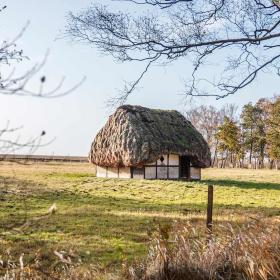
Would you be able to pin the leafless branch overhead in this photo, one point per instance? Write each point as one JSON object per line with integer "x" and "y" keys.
{"x": 242, "y": 35}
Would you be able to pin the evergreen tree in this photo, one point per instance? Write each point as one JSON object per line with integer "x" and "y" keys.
{"x": 254, "y": 130}
{"x": 229, "y": 136}
{"x": 273, "y": 135}
{"x": 248, "y": 128}
{"x": 262, "y": 114}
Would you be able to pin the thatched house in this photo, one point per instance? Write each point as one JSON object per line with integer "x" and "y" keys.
{"x": 138, "y": 142}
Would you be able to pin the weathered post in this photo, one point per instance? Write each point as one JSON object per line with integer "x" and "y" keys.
{"x": 209, "y": 209}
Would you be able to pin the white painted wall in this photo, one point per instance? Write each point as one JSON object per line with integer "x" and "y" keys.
{"x": 195, "y": 173}
{"x": 150, "y": 172}
{"x": 112, "y": 172}
{"x": 124, "y": 173}
{"x": 101, "y": 172}
{"x": 173, "y": 172}
{"x": 162, "y": 172}
{"x": 173, "y": 159}
{"x": 109, "y": 172}
{"x": 159, "y": 162}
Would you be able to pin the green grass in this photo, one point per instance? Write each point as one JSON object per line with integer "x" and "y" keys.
{"x": 108, "y": 221}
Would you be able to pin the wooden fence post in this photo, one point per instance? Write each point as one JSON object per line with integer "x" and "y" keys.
{"x": 209, "y": 209}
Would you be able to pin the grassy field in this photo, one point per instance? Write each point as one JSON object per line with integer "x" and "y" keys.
{"x": 109, "y": 221}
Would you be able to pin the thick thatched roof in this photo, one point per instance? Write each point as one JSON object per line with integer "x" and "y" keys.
{"x": 135, "y": 136}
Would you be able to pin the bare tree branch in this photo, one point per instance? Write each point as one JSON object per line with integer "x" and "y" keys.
{"x": 11, "y": 141}
{"x": 130, "y": 87}
{"x": 243, "y": 34}
{"x": 18, "y": 85}
{"x": 162, "y": 4}
{"x": 13, "y": 84}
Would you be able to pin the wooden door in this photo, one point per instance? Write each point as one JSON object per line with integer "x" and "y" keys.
{"x": 184, "y": 167}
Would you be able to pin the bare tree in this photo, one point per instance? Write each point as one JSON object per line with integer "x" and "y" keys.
{"x": 13, "y": 84}
{"x": 242, "y": 35}
{"x": 207, "y": 119}
{"x": 11, "y": 141}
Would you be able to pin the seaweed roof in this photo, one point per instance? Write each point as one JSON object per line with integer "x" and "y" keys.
{"x": 135, "y": 136}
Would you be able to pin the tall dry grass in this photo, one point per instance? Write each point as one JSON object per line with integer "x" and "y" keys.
{"x": 180, "y": 252}
{"x": 251, "y": 253}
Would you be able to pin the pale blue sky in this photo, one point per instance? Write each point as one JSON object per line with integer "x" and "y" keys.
{"x": 75, "y": 119}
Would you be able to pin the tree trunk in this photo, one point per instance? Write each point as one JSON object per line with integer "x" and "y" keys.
{"x": 250, "y": 157}
{"x": 271, "y": 161}
{"x": 222, "y": 162}
{"x": 225, "y": 160}
{"x": 251, "y": 147}
{"x": 215, "y": 155}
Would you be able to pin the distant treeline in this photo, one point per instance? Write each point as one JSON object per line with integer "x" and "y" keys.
{"x": 249, "y": 140}
{"x": 41, "y": 158}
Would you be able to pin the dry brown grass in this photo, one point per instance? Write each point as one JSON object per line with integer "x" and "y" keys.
{"x": 66, "y": 266}
{"x": 181, "y": 252}
{"x": 248, "y": 253}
